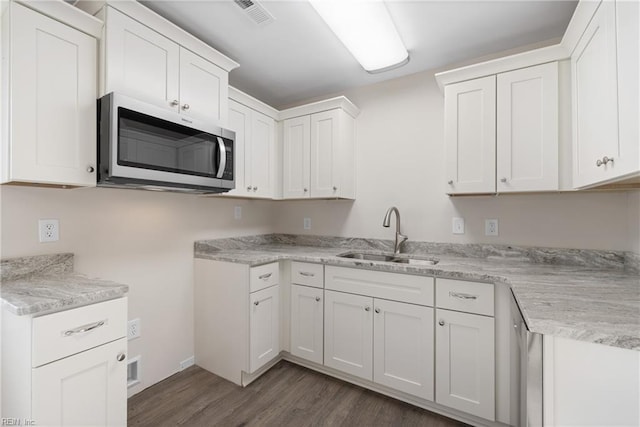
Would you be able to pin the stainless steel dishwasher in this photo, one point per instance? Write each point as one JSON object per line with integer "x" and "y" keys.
{"x": 527, "y": 368}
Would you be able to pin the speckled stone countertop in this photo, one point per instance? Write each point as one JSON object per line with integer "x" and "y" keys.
{"x": 580, "y": 294}
{"x": 46, "y": 283}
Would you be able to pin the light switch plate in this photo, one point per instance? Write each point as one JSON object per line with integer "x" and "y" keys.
{"x": 307, "y": 223}
{"x": 457, "y": 226}
{"x": 237, "y": 212}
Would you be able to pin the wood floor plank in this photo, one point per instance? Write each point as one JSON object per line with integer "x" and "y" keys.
{"x": 286, "y": 395}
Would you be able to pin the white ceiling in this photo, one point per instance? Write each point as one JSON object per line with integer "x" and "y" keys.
{"x": 297, "y": 57}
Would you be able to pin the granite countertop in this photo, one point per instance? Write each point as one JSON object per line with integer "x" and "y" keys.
{"x": 594, "y": 300}
{"x": 46, "y": 283}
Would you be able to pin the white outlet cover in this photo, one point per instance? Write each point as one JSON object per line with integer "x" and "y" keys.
{"x": 237, "y": 212}
{"x": 490, "y": 227}
{"x": 457, "y": 226}
{"x": 48, "y": 230}
{"x": 307, "y": 223}
{"x": 133, "y": 329}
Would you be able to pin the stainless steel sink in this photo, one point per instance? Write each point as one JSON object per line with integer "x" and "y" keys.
{"x": 399, "y": 258}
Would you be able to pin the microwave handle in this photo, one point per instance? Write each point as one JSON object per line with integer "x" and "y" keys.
{"x": 223, "y": 158}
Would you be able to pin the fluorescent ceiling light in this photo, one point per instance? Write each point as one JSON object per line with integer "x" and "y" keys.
{"x": 367, "y": 31}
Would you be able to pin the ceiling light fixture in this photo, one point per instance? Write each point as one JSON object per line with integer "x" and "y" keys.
{"x": 367, "y": 31}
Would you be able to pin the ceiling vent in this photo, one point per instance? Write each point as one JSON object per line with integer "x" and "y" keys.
{"x": 255, "y": 11}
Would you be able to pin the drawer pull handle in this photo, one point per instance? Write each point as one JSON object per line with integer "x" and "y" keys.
{"x": 84, "y": 328}
{"x": 307, "y": 274}
{"x": 265, "y": 276}
{"x": 462, "y": 296}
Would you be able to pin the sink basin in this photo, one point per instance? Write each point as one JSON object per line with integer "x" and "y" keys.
{"x": 398, "y": 259}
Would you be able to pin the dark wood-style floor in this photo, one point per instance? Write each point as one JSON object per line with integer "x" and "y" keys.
{"x": 287, "y": 395}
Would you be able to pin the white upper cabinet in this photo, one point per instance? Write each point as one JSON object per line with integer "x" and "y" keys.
{"x": 470, "y": 136}
{"x": 501, "y": 132}
{"x": 141, "y": 62}
{"x": 255, "y": 154}
{"x": 49, "y": 120}
{"x": 319, "y": 150}
{"x": 296, "y": 157}
{"x": 527, "y": 129}
{"x": 605, "y": 96}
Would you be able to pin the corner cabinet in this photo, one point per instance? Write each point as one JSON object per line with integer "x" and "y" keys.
{"x": 49, "y": 98}
{"x": 605, "y": 96}
{"x": 501, "y": 132}
{"x": 237, "y": 318}
{"x": 255, "y": 152}
{"x": 148, "y": 58}
{"x": 67, "y": 368}
{"x": 319, "y": 152}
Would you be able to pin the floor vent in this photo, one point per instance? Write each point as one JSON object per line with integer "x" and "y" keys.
{"x": 133, "y": 371}
{"x": 255, "y": 11}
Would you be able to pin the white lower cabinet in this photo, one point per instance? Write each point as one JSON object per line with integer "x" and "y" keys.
{"x": 403, "y": 347}
{"x": 307, "y": 317}
{"x": 348, "y": 337}
{"x": 264, "y": 327}
{"x": 86, "y": 389}
{"x": 67, "y": 368}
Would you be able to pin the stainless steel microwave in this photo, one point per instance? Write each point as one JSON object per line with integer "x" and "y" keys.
{"x": 141, "y": 145}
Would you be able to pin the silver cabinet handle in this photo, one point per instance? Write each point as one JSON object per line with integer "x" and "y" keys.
{"x": 255, "y": 188}
{"x": 377, "y": 310}
{"x": 317, "y": 299}
{"x": 174, "y": 103}
{"x": 84, "y": 328}
{"x": 256, "y": 303}
{"x": 307, "y": 274}
{"x": 503, "y": 179}
{"x": 249, "y": 188}
{"x": 367, "y": 308}
{"x": 185, "y": 107}
{"x": 305, "y": 190}
{"x": 335, "y": 188}
{"x": 441, "y": 322}
{"x": 223, "y": 158}
{"x": 90, "y": 169}
{"x": 461, "y": 295}
{"x": 599, "y": 163}
{"x": 604, "y": 161}
{"x": 120, "y": 357}
{"x": 264, "y": 276}
{"x": 450, "y": 182}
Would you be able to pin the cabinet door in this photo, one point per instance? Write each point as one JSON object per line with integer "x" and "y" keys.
{"x": 628, "y": 44}
{"x": 204, "y": 89}
{"x": 324, "y": 149}
{"x": 264, "y": 327}
{"x": 470, "y": 136}
{"x": 595, "y": 103}
{"x": 465, "y": 359}
{"x": 307, "y": 323}
{"x": 296, "y": 158}
{"x": 53, "y": 101}
{"x": 89, "y": 388}
{"x": 262, "y": 157}
{"x": 140, "y": 62}
{"x": 240, "y": 123}
{"x": 527, "y": 129}
{"x": 403, "y": 347}
{"x": 348, "y": 333}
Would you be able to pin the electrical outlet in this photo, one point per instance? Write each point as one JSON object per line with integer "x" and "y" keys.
{"x": 457, "y": 226}
{"x": 49, "y": 230}
{"x": 490, "y": 227}
{"x": 187, "y": 362}
{"x": 307, "y": 223}
{"x": 237, "y": 212}
{"x": 134, "y": 330}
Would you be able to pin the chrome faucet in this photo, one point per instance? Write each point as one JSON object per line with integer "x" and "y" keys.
{"x": 400, "y": 238}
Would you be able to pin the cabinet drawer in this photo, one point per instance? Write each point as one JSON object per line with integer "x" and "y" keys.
{"x": 470, "y": 297}
{"x": 264, "y": 276}
{"x": 69, "y": 332}
{"x": 380, "y": 284}
{"x": 304, "y": 273}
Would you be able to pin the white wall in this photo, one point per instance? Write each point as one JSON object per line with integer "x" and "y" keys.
{"x": 400, "y": 161}
{"x": 634, "y": 221}
{"x": 140, "y": 238}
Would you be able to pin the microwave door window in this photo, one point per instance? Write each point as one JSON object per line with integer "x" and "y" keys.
{"x": 152, "y": 143}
